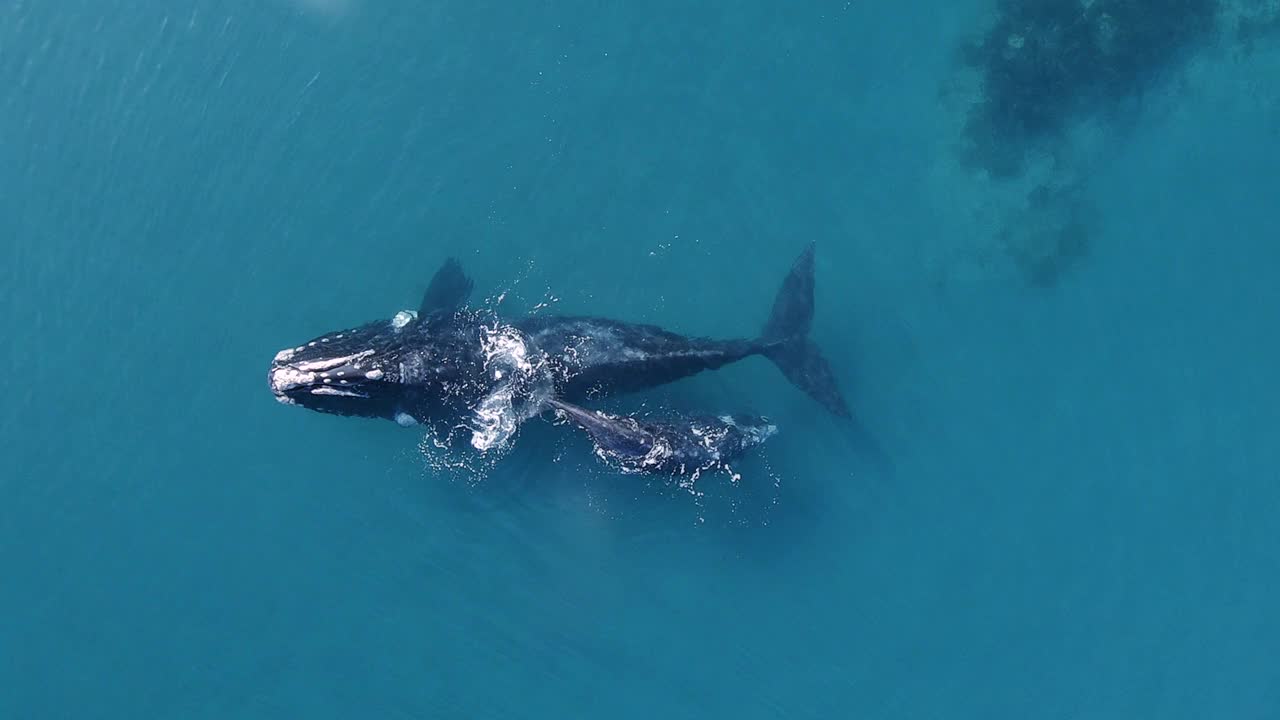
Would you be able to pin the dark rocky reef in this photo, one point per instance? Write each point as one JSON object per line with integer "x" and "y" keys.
{"x": 1045, "y": 63}
{"x": 1038, "y": 238}
{"x": 1051, "y": 236}
{"x": 1254, "y": 28}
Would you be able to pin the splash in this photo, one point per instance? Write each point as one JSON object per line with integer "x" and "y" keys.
{"x": 522, "y": 386}
{"x": 439, "y": 449}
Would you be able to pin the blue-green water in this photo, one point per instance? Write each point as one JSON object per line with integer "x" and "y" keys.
{"x": 1079, "y": 520}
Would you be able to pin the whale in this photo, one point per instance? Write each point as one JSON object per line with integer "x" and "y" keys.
{"x": 448, "y": 365}
{"x": 597, "y": 357}
{"x": 678, "y": 445}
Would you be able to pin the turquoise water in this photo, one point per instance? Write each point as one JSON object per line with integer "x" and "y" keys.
{"x": 1077, "y": 519}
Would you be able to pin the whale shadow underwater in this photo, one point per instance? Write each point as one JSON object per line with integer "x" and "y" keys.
{"x": 466, "y": 373}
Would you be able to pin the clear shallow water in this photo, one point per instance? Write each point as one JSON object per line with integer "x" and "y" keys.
{"x": 1078, "y": 524}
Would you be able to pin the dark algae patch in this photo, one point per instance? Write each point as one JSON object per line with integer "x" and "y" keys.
{"x": 1252, "y": 29}
{"x": 1044, "y": 63}
{"x": 1051, "y": 237}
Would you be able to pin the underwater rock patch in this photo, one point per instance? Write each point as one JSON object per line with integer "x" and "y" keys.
{"x": 1036, "y": 238}
{"x": 1252, "y": 22}
{"x": 1045, "y": 63}
{"x": 1042, "y": 102}
{"x": 1050, "y": 236}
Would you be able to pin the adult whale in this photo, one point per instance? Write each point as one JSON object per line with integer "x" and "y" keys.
{"x": 448, "y": 363}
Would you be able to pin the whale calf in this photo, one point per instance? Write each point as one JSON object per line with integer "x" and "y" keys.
{"x": 671, "y": 446}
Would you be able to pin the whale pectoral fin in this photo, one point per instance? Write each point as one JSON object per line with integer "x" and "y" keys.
{"x": 448, "y": 290}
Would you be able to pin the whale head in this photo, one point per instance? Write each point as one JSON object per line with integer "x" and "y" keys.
{"x": 354, "y": 372}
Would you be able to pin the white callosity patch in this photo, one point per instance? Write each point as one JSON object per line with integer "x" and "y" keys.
{"x": 331, "y": 363}
{"x": 404, "y": 419}
{"x": 403, "y": 318}
{"x": 336, "y": 391}
{"x": 289, "y": 377}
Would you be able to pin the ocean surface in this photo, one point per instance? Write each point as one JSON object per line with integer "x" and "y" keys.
{"x": 1060, "y": 497}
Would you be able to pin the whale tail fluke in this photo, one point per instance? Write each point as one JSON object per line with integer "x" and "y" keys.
{"x": 786, "y": 338}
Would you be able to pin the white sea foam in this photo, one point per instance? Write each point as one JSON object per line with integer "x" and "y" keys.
{"x": 522, "y": 387}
